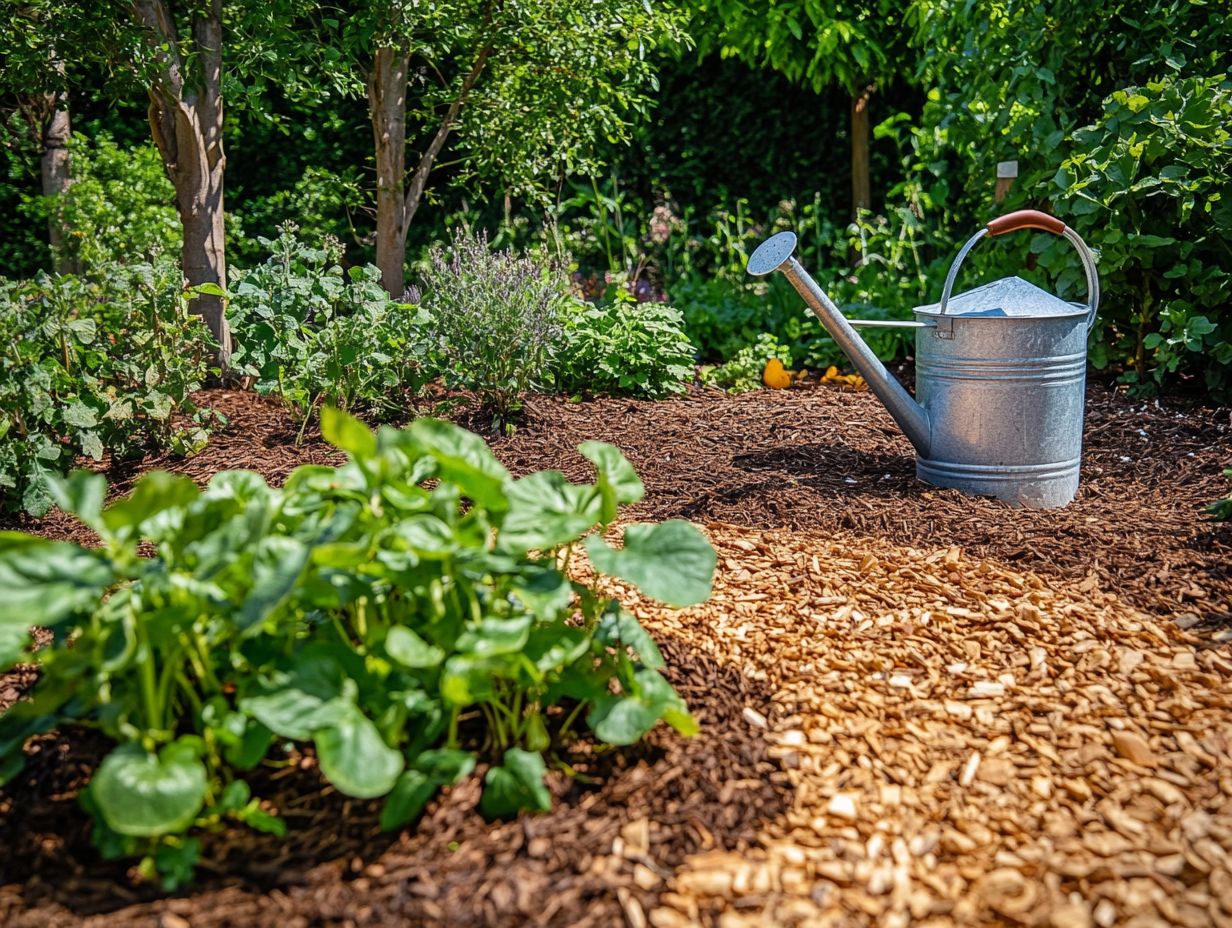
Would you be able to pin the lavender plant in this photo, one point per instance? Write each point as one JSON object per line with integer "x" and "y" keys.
{"x": 495, "y": 318}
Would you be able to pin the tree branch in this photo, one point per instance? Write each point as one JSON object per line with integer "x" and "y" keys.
{"x": 419, "y": 180}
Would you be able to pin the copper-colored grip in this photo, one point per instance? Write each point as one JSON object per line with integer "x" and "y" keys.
{"x": 1026, "y": 219}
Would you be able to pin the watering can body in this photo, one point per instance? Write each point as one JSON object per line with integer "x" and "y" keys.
{"x": 1000, "y": 375}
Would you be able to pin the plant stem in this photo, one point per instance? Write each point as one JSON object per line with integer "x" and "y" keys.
{"x": 571, "y": 718}
{"x": 453, "y": 727}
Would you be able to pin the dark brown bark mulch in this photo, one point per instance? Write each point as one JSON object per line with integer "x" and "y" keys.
{"x": 824, "y": 459}
{"x": 833, "y": 461}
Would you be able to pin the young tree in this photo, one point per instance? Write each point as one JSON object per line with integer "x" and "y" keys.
{"x": 184, "y": 79}
{"x": 33, "y": 77}
{"x": 818, "y": 43}
{"x": 526, "y": 88}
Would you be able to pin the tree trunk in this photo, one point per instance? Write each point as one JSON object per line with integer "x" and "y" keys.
{"x": 861, "y": 187}
{"x": 387, "y": 107}
{"x": 56, "y": 134}
{"x": 186, "y": 124}
{"x": 396, "y": 202}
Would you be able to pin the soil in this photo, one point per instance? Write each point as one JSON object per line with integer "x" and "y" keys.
{"x": 917, "y": 707}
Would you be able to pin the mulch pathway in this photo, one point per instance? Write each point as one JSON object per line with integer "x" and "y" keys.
{"x": 831, "y": 461}
{"x": 917, "y": 707}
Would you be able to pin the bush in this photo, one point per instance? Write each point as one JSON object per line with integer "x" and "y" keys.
{"x": 89, "y": 367}
{"x": 624, "y": 347}
{"x": 495, "y": 320}
{"x": 119, "y": 209}
{"x": 322, "y": 202}
{"x": 363, "y": 609}
{"x": 1150, "y": 187}
{"x": 312, "y": 334}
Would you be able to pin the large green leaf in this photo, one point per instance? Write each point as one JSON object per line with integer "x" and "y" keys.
{"x": 546, "y": 510}
{"x": 469, "y": 679}
{"x": 80, "y": 493}
{"x": 354, "y": 757}
{"x": 555, "y": 645}
{"x": 155, "y": 492}
{"x": 517, "y": 784}
{"x": 671, "y": 561}
{"x": 13, "y": 642}
{"x": 44, "y": 582}
{"x": 546, "y": 592}
{"x": 463, "y": 458}
{"x": 617, "y": 479}
{"x": 294, "y": 702}
{"x": 618, "y": 629}
{"x": 426, "y": 536}
{"x": 144, "y": 795}
{"x": 430, "y": 771}
{"x": 410, "y": 650}
{"x": 496, "y": 636}
{"x": 627, "y": 718}
{"x": 344, "y": 431}
{"x": 277, "y": 563}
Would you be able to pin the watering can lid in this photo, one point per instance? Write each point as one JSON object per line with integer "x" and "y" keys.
{"x": 1009, "y": 296}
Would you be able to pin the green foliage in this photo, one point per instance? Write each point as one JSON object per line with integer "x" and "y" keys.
{"x": 321, "y": 203}
{"x": 727, "y": 315}
{"x": 1222, "y": 509}
{"x": 1116, "y": 113}
{"x": 119, "y": 209}
{"x": 1150, "y": 186}
{"x": 814, "y": 42}
{"x": 495, "y": 320}
{"x": 313, "y": 334}
{"x": 624, "y": 348}
{"x": 364, "y": 609}
{"x": 743, "y": 372}
{"x": 88, "y": 367}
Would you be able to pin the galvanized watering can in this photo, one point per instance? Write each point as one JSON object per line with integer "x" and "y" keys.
{"x": 1000, "y": 373}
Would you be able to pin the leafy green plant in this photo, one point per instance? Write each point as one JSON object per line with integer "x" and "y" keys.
{"x": 1150, "y": 186}
{"x": 313, "y": 334}
{"x": 119, "y": 208}
{"x": 744, "y": 371}
{"x": 495, "y": 320}
{"x": 321, "y": 201}
{"x": 407, "y": 614}
{"x": 89, "y": 368}
{"x": 624, "y": 347}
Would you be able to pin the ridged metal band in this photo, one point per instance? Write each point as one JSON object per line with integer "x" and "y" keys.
{"x": 1069, "y": 368}
{"x": 950, "y": 471}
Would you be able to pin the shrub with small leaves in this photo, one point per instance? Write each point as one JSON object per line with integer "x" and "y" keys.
{"x": 94, "y": 367}
{"x": 313, "y": 334}
{"x": 623, "y": 347}
{"x": 1150, "y": 187}
{"x": 119, "y": 209}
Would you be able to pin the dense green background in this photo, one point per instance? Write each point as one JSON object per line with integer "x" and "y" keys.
{"x": 1117, "y": 113}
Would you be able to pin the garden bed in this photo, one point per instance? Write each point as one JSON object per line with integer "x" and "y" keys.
{"x": 914, "y": 705}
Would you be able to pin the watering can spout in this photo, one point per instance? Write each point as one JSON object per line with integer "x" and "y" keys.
{"x": 775, "y": 254}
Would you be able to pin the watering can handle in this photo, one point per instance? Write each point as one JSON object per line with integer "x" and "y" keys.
{"x": 1030, "y": 219}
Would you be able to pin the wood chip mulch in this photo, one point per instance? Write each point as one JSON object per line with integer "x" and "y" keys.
{"x": 917, "y": 708}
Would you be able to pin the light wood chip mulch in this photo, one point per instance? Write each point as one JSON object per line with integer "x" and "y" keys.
{"x": 966, "y": 745}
